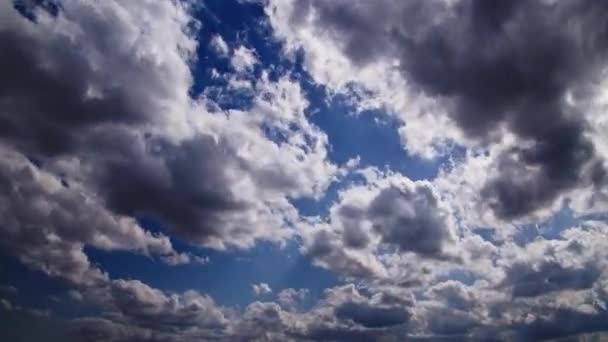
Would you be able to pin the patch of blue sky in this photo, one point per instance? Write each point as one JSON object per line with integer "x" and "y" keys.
{"x": 28, "y": 8}
{"x": 238, "y": 24}
{"x": 229, "y": 274}
{"x": 371, "y": 135}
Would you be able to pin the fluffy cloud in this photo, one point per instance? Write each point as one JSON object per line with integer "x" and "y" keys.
{"x": 261, "y": 289}
{"x": 135, "y": 143}
{"x": 98, "y": 127}
{"x": 479, "y": 63}
{"x": 150, "y": 306}
{"x": 386, "y": 215}
{"x": 290, "y": 299}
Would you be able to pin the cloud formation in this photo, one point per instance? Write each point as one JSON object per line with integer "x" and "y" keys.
{"x": 494, "y": 68}
{"x": 100, "y": 130}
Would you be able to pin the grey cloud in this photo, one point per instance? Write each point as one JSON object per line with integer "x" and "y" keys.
{"x": 560, "y": 323}
{"x": 447, "y": 322}
{"x": 55, "y": 101}
{"x": 530, "y": 281}
{"x": 323, "y": 332}
{"x": 151, "y": 307}
{"x": 326, "y": 249}
{"x": 92, "y": 329}
{"x": 56, "y": 87}
{"x": 46, "y": 109}
{"x": 183, "y": 185}
{"x": 133, "y": 311}
{"x": 291, "y": 299}
{"x": 8, "y": 289}
{"x": 353, "y": 235}
{"x": 6, "y": 305}
{"x": 454, "y": 293}
{"x": 507, "y": 65}
{"x": 88, "y": 88}
{"x": 46, "y": 224}
{"x": 409, "y": 219}
{"x": 406, "y": 218}
{"x": 372, "y": 317}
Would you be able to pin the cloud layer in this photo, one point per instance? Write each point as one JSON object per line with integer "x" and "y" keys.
{"x": 100, "y": 130}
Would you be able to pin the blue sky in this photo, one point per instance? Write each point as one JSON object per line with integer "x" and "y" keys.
{"x": 301, "y": 170}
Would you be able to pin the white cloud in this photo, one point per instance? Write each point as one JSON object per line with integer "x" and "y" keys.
{"x": 243, "y": 59}
{"x": 261, "y": 289}
{"x": 219, "y": 45}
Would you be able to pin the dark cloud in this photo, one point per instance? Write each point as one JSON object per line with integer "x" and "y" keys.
{"x": 446, "y": 322}
{"x": 353, "y": 235}
{"x": 493, "y": 65}
{"x": 262, "y": 321}
{"x": 322, "y": 332}
{"x": 561, "y": 323}
{"x": 409, "y": 219}
{"x": 183, "y": 185}
{"x": 52, "y": 91}
{"x": 152, "y": 308}
{"x": 454, "y": 294}
{"x": 327, "y": 249}
{"x": 94, "y": 329}
{"x": 372, "y": 316}
{"x": 530, "y": 281}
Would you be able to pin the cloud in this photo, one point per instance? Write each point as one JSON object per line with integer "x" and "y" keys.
{"x": 261, "y": 289}
{"x": 386, "y": 215}
{"x": 480, "y": 63}
{"x": 6, "y": 305}
{"x": 99, "y": 329}
{"x": 410, "y": 219}
{"x": 98, "y": 128}
{"x": 150, "y": 306}
{"x": 291, "y": 299}
{"x": 9, "y": 289}
{"x": 243, "y": 59}
{"x": 136, "y": 144}
{"x": 372, "y": 317}
{"x": 532, "y": 281}
{"x": 219, "y": 45}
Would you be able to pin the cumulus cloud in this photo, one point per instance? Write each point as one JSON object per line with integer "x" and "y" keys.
{"x": 150, "y": 306}
{"x": 98, "y": 127}
{"x": 386, "y": 215}
{"x": 494, "y": 69}
{"x": 219, "y": 44}
{"x": 261, "y": 289}
{"x": 243, "y": 59}
{"x": 134, "y": 143}
{"x": 291, "y": 299}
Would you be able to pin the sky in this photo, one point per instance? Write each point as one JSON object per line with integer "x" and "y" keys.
{"x": 303, "y": 170}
